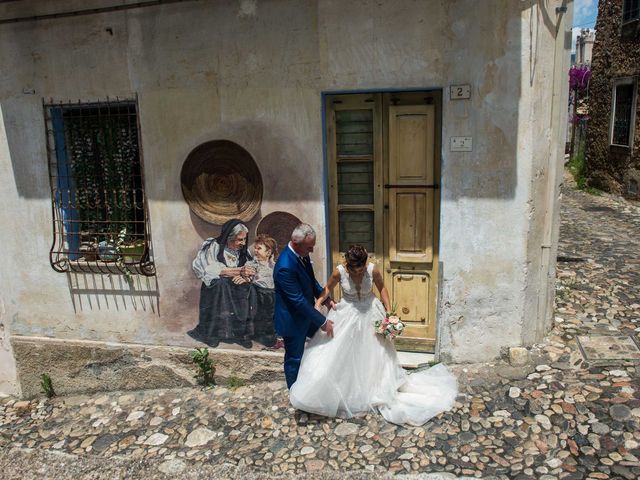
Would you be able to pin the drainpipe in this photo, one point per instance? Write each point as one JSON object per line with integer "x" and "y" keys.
{"x": 557, "y": 125}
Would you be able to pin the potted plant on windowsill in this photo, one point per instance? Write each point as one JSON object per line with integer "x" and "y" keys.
{"x": 132, "y": 251}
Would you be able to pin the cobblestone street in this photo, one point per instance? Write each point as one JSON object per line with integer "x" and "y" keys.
{"x": 565, "y": 409}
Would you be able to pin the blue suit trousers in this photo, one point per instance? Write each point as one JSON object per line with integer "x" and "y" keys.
{"x": 293, "y": 350}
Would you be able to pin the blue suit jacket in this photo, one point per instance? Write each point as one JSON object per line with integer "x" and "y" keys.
{"x": 296, "y": 289}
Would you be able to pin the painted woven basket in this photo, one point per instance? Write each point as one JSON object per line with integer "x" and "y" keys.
{"x": 220, "y": 181}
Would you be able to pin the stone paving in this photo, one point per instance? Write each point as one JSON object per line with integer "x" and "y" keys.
{"x": 568, "y": 408}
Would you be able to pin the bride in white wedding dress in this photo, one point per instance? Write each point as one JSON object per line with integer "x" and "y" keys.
{"x": 357, "y": 371}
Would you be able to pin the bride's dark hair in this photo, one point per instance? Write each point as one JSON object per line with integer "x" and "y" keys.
{"x": 356, "y": 256}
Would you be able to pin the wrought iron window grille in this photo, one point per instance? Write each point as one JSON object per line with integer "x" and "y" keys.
{"x": 622, "y": 115}
{"x": 99, "y": 206}
{"x": 630, "y": 10}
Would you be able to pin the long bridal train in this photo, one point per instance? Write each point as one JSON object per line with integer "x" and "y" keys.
{"x": 358, "y": 371}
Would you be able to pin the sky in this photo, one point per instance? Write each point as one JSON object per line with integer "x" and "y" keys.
{"x": 584, "y": 16}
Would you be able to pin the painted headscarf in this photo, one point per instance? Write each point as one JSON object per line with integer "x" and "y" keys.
{"x": 223, "y": 238}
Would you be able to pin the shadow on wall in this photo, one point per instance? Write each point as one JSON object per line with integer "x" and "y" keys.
{"x": 24, "y": 126}
{"x": 289, "y": 173}
{"x": 277, "y": 153}
{"x": 491, "y": 169}
{"x": 113, "y": 292}
{"x": 490, "y": 115}
{"x": 279, "y": 150}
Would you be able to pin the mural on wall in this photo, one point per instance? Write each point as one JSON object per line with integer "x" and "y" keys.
{"x": 220, "y": 181}
{"x": 236, "y": 295}
{"x": 222, "y": 185}
{"x": 278, "y": 225}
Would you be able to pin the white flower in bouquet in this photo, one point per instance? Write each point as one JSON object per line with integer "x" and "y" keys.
{"x": 390, "y": 326}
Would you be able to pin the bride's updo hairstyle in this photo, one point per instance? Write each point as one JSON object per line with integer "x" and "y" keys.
{"x": 356, "y": 256}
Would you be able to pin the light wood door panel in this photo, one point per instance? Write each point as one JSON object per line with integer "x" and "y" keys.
{"x": 409, "y": 291}
{"x": 411, "y": 151}
{"x": 411, "y": 225}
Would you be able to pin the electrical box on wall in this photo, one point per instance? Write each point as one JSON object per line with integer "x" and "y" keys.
{"x": 461, "y": 144}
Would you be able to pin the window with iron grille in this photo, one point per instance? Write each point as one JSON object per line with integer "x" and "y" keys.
{"x": 100, "y": 219}
{"x": 630, "y": 10}
{"x": 622, "y": 114}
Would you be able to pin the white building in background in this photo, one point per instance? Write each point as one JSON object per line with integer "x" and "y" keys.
{"x": 584, "y": 46}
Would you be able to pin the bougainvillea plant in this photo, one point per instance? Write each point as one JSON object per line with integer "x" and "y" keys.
{"x": 579, "y": 76}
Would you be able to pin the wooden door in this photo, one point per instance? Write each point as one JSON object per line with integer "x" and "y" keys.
{"x": 383, "y": 170}
{"x": 411, "y": 221}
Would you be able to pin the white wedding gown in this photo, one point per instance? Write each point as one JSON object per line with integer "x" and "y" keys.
{"x": 358, "y": 370}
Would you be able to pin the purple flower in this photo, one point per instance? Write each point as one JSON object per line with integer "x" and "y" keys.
{"x": 579, "y": 76}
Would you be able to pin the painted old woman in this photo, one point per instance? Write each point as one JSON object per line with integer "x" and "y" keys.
{"x": 221, "y": 264}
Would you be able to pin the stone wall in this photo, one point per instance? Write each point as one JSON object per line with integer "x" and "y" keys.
{"x": 84, "y": 366}
{"x": 616, "y": 54}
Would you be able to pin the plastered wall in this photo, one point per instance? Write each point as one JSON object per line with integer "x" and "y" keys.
{"x": 253, "y": 72}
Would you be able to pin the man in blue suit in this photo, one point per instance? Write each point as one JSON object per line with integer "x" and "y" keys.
{"x": 296, "y": 289}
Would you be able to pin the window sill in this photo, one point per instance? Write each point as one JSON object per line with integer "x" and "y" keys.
{"x": 83, "y": 265}
{"x": 620, "y": 150}
{"x": 630, "y": 29}
{"x": 93, "y": 266}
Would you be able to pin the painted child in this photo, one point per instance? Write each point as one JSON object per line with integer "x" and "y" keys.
{"x": 265, "y": 249}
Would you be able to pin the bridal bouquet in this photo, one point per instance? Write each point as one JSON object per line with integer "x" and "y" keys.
{"x": 390, "y": 326}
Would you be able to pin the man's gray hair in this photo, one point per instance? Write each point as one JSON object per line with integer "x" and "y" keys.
{"x": 301, "y": 232}
{"x": 236, "y": 230}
